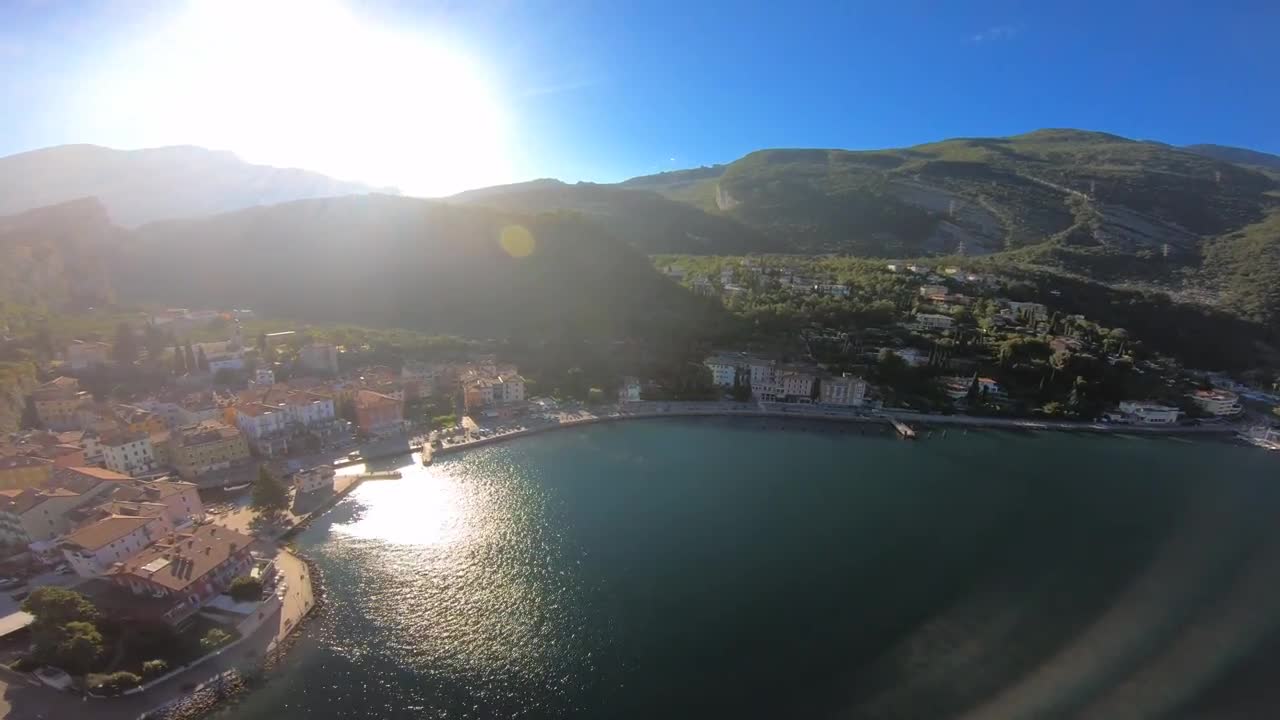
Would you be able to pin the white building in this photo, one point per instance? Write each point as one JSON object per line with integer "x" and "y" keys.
{"x": 309, "y": 409}
{"x": 509, "y": 389}
{"x": 128, "y": 453}
{"x": 319, "y": 477}
{"x": 94, "y": 548}
{"x": 765, "y": 383}
{"x": 629, "y": 391}
{"x": 1149, "y": 413}
{"x": 848, "y": 390}
{"x": 1219, "y": 403}
{"x": 319, "y": 357}
{"x": 930, "y": 321}
{"x": 264, "y": 376}
{"x": 723, "y": 370}
{"x": 834, "y": 290}
{"x": 263, "y": 426}
{"x": 931, "y": 290}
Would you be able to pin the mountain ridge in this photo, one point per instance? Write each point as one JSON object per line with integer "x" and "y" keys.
{"x": 141, "y": 186}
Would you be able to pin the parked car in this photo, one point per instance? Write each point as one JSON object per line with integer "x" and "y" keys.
{"x": 9, "y": 583}
{"x": 53, "y": 677}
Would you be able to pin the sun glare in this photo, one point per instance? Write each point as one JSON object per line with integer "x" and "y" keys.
{"x": 308, "y": 83}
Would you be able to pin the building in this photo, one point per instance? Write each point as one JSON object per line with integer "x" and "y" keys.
{"x": 181, "y": 500}
{"x": 765, "y": 382}
{"x": 723, "y": 369}
{"x": 57, "y": 403}
{"x": 195, "y": 450}
{"x": 24, "y": 471}
{"x": 62, "y": 455}
{"x": 93, "y": 549}
{"x": 319, "y": 357}
{"x": 1219, "y": 403}
{"x": 957, "y": 388}
{"x": 225, "y": 361}
{"x": 1032, "y": 310}
{"x": 129, "y": 453}
{"x": 377, "y": 413}
{"x": 930, "y": 321}
{"x": 43, "y": 514}
{"x": 797, "y": 386}
{"x": 933, "y": 290}
{"x": 847, "y": 391}
{"x": 1148, "y": 413}
{"x": 264, "y": 376}
{"x": 137, "y": 420}
{"x": 420, "y": 378}
{"x": 265, "y": 427}
{"x": 319, "y": 477}
{"x": 509, "y": 389}
{"x": 82, "y": 355}
{"x": 629, "y": 391}
{"x": 186, "y": 569}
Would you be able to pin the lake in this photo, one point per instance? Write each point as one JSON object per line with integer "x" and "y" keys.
{"x": 777, "y": 569}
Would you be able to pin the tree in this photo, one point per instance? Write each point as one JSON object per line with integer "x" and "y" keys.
{"x": 190, "y": 356}
{"x": 154, "y": 340}
{"x": 262, "y": 343}
{"x": 79, "y": 647}
{"x": 201, "y": 361}
{"x": 269, "y": 495}
{"x": 245, "y": 589}
{"x": 155, "y": 668}
{"x": 975, "y": 390}
{"x": 59, "y": 606}
{"x": 595, "y": 396}
{"x": 125, "y": 349}
{"x": 179, "y": 361}
{"x": 214, "y": 639}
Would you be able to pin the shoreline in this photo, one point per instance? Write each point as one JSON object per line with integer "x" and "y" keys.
{"x": 916, "y": 420}
{"x": 280, "y": 649}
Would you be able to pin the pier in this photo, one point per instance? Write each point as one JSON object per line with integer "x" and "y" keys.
{"x": 903, "y": 429}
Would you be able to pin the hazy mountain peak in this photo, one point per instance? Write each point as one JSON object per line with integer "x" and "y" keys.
{"x": 141, "y": 186}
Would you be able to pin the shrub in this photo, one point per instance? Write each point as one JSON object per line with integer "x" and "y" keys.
{"x": 116, "y": 683}
{"x": 214, "y": 639}
{"x": 244, "y": 589}
{"x": 154, "y": 668}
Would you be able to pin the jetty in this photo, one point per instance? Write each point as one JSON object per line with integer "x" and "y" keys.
{"x": 903, "y": 429}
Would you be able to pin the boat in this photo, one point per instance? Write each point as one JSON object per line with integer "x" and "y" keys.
{"x": 1262, "y": 437}
{"x": 236, "y": 488}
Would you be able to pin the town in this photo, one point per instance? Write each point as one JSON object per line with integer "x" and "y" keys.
{"x": 155, "y": 478}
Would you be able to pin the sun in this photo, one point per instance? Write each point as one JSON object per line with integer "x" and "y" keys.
{"x": 310, "y": 84}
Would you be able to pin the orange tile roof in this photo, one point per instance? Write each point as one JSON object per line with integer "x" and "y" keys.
{"x": 105, "y": 531}
{"x": 181, "y": 559}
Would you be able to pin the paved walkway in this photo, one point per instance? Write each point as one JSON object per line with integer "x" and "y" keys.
{"x": 23, "y": 699}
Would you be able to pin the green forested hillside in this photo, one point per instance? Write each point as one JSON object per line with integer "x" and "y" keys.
{"x": 993, "y": 194}
{"x": 645, "y": 219}
{"x": 416, "y": 263}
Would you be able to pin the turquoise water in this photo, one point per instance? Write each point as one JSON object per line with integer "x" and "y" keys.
{"x": 752, "y": 569}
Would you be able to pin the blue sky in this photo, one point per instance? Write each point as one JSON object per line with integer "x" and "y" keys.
{"x": 605, "y": 90}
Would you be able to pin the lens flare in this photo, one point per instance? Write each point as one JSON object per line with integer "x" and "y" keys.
{"x": 517, "y": 241}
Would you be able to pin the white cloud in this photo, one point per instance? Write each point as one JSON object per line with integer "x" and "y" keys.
{"x": 994, "y": 33}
